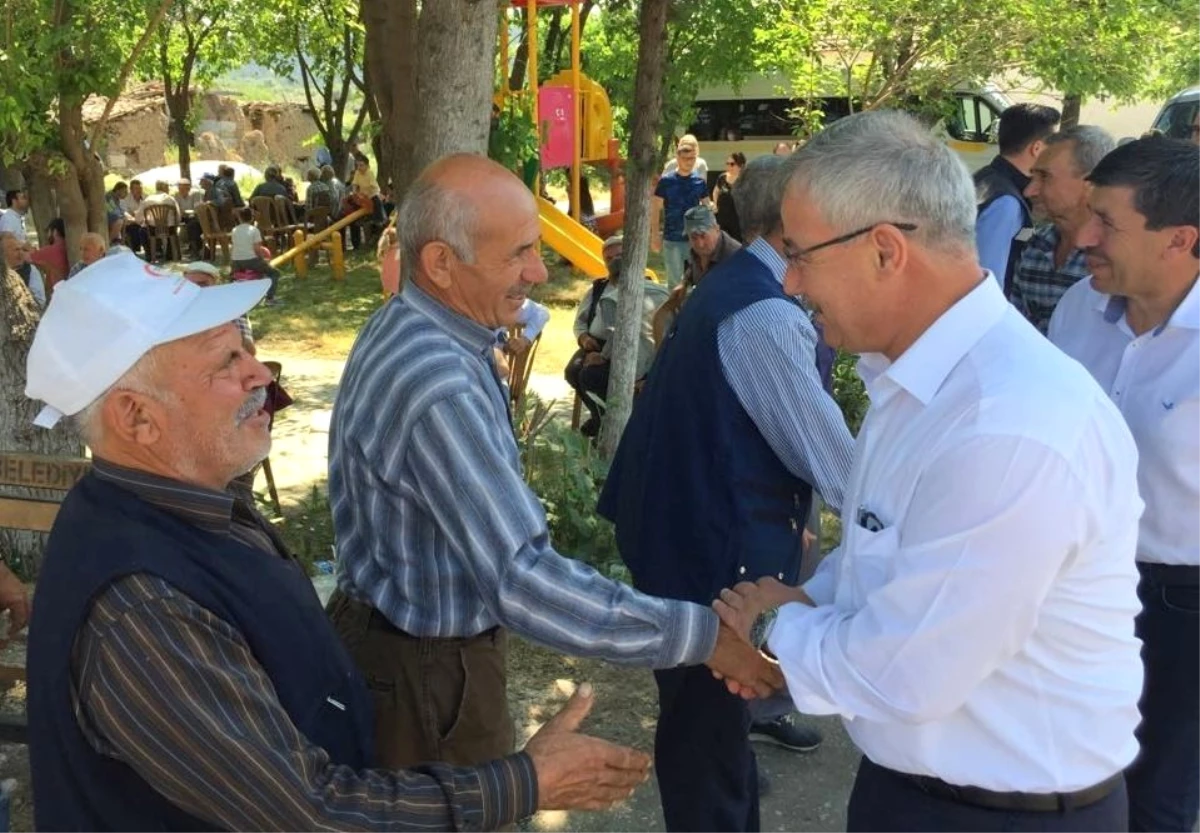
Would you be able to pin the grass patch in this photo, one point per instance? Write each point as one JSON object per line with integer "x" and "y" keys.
{"x": 320, "y": 317}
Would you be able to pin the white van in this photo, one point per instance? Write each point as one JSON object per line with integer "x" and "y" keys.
{"x": 1178, "y": 115}
{"x": 754, "y": 117}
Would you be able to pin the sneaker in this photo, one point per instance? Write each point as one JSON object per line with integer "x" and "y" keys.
{"x": 785, "y": 732}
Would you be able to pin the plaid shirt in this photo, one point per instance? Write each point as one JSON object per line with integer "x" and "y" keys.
{"x": 1037, "y": 283}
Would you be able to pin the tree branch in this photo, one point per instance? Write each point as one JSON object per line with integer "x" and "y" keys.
{"x": 127, "y": 67}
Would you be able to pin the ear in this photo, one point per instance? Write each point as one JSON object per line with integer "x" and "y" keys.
{"x": 134, "y": 417}
{"x": 891, "y": 250}
{"x": 1183, "y": 242}
{"x": 1035, "y": 148}
{"x": 437, "y": 260}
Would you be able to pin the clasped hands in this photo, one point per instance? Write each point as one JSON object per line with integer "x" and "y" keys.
{"x": 745, "y": 670}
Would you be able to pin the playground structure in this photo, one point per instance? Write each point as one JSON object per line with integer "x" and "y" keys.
{"x": 574, "y": 121}
{"x": 327, "y": 239}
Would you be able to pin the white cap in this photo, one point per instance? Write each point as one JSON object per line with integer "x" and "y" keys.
{"x": 202, "y": 266}
{"x": 102, "y": 321}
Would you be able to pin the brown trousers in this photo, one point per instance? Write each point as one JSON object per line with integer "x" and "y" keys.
{"x": 435, "y": 699}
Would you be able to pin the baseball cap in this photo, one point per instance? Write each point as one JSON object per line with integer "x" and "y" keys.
{"x": 697, "y": 219}
{"x": 200, "y": 266}
{"x": 102, "y": 321}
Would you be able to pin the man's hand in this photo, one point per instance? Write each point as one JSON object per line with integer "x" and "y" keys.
{"x": 577, "y": 772}
{"x": 745, "y": 671}
{"x": 589, "y": 343}
{"x": 739, "y": 607}
{"x": 516, "y": 346}
{"x": 594, "y": 359}
{"x": 15, "y": 599}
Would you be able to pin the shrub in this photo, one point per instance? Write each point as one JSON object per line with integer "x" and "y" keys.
{"x": 849, "y": 391}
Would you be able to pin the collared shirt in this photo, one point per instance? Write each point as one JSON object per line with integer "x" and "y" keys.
{"x": 976, "y": 625}
{"x": 604, "y": 324}
{"x": 1037, "y": 283}
{"x": 726, "y": 247}
{"x": 13, "y": 222}
{"x": 995, "y": 229}
{"x": 189, "y": 203}
{"x": 436, "y": 527}
{"x": 174, "y": 691}
{"x": 1154, "y": 379}
{"x": 768, "y": 356}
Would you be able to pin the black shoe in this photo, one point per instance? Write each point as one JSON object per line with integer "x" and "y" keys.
{"x": 764, "y": 784}
{"x": 785, "y": 732}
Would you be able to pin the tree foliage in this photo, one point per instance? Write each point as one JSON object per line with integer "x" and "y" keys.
{"x": 708, "y": 42}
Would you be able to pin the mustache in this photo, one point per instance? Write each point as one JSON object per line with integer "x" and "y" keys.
{"x": 253, "y": 404}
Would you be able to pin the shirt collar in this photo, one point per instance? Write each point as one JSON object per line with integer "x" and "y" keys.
{"x": 768, "y": 257}
{"x": 474, "y": 336}
{"x": 1185, "y": 317}
{"x": 209, "y": 510}
{"x": 923, "y": 367}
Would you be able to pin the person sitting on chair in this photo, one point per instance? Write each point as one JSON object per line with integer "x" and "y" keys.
{"x": 595, "y": 321}
{"x": 247, "y": 244}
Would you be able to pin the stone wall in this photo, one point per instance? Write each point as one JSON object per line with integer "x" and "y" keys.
{"x": 258, "y": 133}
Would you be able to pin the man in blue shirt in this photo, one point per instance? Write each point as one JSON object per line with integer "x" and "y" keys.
{"x": 1000, "y": 185}
{"x": 675, "y": 193}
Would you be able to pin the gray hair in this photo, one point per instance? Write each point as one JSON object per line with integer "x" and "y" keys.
{"x": 430, "y": 212}
{"x": 312, "y": 174}
{"x": 139, "y": 378}
{"x": 883, "y": 166}
{"x": 758, "y": 194}
{"x": 1089, "y": 145}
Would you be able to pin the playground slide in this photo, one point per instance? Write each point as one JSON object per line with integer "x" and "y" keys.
{"x": 571, "y": 240}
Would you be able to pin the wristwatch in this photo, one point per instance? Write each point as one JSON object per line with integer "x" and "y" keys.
{"x": 760, "y": 631}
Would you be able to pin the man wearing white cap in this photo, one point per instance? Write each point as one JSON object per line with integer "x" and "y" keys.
{"x": 182, "y": 674}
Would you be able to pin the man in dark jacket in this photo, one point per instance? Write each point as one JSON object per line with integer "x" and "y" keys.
{"x": 1000, "y": 185}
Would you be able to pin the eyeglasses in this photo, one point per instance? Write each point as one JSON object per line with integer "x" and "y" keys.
{"x": 796, "y": 257}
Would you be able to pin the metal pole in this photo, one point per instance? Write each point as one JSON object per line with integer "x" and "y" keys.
{"x": 576, "y": 134}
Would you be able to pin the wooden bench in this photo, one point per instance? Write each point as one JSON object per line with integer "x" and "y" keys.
{"x": 37, "y": 514}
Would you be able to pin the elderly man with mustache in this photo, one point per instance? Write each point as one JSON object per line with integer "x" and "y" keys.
{"x": 182, "y": 674}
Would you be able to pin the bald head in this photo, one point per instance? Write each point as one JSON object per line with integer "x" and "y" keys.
{"x": 469, "y": 233}
{"x": 453, "y": 201}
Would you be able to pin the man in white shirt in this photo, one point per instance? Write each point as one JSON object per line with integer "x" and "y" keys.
{"x": 1136, "y": 327}
{"x": 15, "y": 256}
{"x": 975, "y": 628}
{"x": 12, "y": 220}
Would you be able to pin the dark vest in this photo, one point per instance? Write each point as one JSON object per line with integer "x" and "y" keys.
{"x": 1000, "y": 178}
{"x": 104, "y": 533}
{"x": 699, "y": 499}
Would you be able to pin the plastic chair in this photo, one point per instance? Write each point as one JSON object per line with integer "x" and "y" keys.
{"x": 211, "y": 233}
{"x": 163, "y": 230}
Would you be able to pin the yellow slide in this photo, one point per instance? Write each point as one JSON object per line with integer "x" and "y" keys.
{"x": 571, "y": 240}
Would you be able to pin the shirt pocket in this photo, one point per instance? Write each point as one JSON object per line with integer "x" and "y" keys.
{"x": 868, "y": 563}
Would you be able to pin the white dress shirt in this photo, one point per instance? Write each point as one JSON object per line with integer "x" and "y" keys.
{"x": 13, "y": 222}
{"x": 983, "y": 633}
{"x": 1154, "y": 379}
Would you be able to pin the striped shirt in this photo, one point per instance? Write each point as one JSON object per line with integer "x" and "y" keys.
{"x": 435, "y": 525}
{"x": 768, "y": 356}
{"x": 1037, "y": 283}
{"x": 174, "y": 691}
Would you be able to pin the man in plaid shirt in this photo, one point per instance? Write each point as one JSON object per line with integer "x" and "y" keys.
{"x": 1050, "y": 263}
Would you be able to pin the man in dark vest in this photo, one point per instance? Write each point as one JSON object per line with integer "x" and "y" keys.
{"x": 1000, "y": 185}
{"x": 182, "y": 673}
{"x": 734, "y": 426}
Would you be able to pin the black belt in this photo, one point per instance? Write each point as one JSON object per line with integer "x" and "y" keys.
{"x": 1172, "y": 575}
{"x": 1019, "y": 802}
{"x": 381, "y": 623}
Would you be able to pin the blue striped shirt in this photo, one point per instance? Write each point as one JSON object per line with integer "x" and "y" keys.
{"x": 768, "y": 356}
{"x": 435, "y": 525}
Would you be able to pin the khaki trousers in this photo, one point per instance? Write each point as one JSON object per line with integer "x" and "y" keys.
{"x": 435, "y": 699}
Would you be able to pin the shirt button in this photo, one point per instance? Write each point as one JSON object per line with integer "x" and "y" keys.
{"x": 779, "y": 576}
{"x": 741, "y": 571}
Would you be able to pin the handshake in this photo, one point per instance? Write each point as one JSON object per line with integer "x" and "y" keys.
{"x": 578, "y": 772}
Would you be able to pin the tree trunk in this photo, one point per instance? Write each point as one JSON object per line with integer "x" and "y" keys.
{"x": 1070, "y": 109}
{"x": 640, "y": 170}
{"x": 516, "y": 78}
{"x": 18, "y": 320}
{"x": 43, "y": 204}
{"x": 554, "y": 45}
{"x": 390, "y": 58}
{"x": 455, "y": 67}
{"x": 177, "y": 111}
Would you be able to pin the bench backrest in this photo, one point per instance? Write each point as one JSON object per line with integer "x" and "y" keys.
{"x": 36, "y": 471}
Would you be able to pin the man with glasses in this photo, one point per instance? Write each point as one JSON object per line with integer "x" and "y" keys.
{"x": 675, "y": 193}
{"x": 975, "y": 628}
